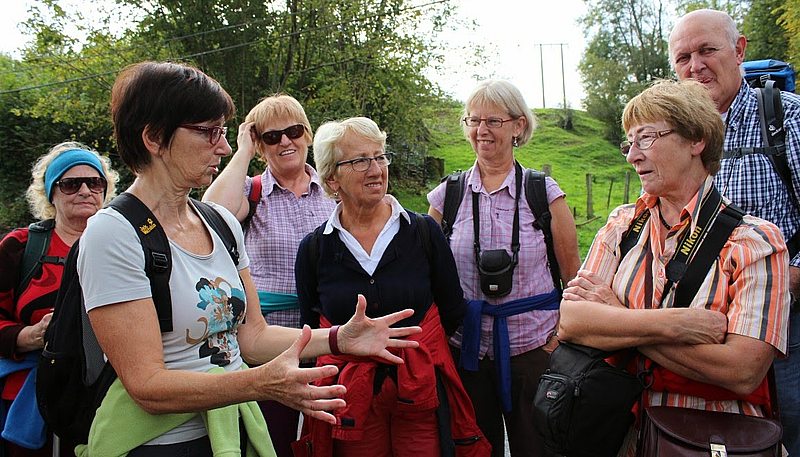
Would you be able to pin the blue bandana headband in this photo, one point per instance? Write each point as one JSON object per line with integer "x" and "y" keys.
{"x": 64, "y": 162}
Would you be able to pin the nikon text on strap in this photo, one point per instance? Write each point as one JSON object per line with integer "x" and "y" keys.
{"x": 696, "y": 250}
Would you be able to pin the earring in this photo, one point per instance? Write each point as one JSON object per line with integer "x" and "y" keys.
{"x": 336, "y": 194}
{"x": 515, "y": 142}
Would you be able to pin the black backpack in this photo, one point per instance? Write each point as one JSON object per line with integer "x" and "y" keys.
{"x": 73, "y": 377}
{"x": 770, "y": 112}
{"x": 34, "y": 256}
{"x": 535, "y": 193}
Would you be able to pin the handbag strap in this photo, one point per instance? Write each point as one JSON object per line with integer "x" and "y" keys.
{"x": 774, "y": 410}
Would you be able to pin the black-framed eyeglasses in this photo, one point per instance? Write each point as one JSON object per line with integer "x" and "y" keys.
{"x": 363, "y": 163}
{"x": 491, "y": 122}
{"x": 294, "y": 132}
{"x": 214, "y": 133}
{"x": 643, "y": 141}
{"x": 69, "y": 186}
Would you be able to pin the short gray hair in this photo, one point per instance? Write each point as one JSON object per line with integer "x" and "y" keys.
{"x": 506, "y": 96}
{"x": 330, "y": 134}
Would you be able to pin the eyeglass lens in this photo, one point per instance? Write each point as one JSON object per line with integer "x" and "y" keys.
{"x": 214, "y": 133}
{"x": 294, "y": 132}
{"x": 70, "y": 186}
{"x": 363, "y": 163}
{"x": 492, "y": 122}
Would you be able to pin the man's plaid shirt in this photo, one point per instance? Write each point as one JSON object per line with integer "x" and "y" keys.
{"x": 751, "y": 181}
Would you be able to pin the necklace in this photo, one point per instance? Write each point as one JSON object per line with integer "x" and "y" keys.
{"x": 663, "y": 221}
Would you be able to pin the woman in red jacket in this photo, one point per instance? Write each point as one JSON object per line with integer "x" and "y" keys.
{"x": 70, "y": 183}
{"x": 397, "y": 259}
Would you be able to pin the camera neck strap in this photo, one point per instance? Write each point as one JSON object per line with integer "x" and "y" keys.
{"x": 476, "y": 222}
{"x": 691, "y": 241}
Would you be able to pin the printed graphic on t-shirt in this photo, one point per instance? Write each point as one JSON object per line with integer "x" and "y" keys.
{"x": 224, "y": 307}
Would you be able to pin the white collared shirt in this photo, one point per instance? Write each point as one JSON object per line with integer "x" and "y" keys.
{"x": 369, "y": 261}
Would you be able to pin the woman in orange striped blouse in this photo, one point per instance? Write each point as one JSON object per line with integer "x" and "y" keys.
{"x": 721, "y": 345}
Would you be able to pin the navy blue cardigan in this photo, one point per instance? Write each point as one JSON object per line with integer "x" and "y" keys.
{"x": 404, "y": 278}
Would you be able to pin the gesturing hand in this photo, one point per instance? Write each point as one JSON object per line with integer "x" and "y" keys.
{"x": 284, "y": 381}
{"x": 370, "y": 337}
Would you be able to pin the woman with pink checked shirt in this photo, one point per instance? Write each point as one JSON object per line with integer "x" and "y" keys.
{"x": 290, "y": 205}
{"x": 501, "y": 374}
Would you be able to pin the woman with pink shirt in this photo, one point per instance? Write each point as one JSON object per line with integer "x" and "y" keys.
{"x": 504, "y": 344}
{"x": 289, "y": 203}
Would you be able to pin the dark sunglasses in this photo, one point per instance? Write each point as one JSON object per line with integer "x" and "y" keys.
{"x": 294, "y": 132}
{"x": 70, "y": 186}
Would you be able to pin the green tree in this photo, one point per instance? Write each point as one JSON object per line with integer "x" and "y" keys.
{"x": 766, "y": 39}
{"x": 737, "y": 9}
{"x": 361, "y": 57}
{"x": 790, "y": 21}
{"x": 627, "y": 50}
{"x": 358, "y": 57}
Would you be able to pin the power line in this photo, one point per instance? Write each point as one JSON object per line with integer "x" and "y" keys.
{"x": 213, "y": 51}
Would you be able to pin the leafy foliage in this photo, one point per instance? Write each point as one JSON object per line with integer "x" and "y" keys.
{"x": 626, "y": 51}
{"x": 340, "y": 59}
{"x": 790, "y": 20}
{"x": 766, "y": 39}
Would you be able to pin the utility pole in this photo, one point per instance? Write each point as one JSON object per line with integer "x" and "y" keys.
{"x": 563, "y": 79}
{"x": 541, "y": 65}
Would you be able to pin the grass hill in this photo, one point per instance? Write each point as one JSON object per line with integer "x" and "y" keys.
{"x": 571, "y": 155}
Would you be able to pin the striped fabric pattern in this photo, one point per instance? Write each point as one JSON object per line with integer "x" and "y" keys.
{"x": 751, "y": 270}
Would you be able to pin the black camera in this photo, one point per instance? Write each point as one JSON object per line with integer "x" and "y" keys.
{"x": 496, "y": 269}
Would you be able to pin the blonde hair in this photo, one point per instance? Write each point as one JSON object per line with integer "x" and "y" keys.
{"x": 38, "y": 201}
{"x": 688, "y": 108}
{"x": 330, "y": 134}
{"x": 279, "y": 106}
{"x": 507, "y": 97}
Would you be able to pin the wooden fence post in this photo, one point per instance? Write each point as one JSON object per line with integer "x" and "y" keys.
{"x": 610, "y": 188}
{"x": 589, "y": 209}
{"x": 547, "y": 169}
{"x": 626, "y": 196}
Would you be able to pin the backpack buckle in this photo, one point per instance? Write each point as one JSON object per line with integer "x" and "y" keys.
{"x": 160, "y": 261}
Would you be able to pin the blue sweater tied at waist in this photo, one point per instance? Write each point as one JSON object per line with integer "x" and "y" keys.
{"x": 471, "y": 337}
{"x": 21, "y": 423}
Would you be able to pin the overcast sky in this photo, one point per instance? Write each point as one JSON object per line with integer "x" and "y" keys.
{"x": 519, "y": 38}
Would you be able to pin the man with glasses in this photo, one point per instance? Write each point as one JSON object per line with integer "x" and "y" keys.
{"x": 706, "y": 46}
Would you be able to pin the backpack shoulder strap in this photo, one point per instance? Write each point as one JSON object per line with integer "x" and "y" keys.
{"x": 536, "y": 194}
{"x": 453, "y": 194}
{"x": 218, "y": 224}
{"x": 424, "y": 233}
{"x": 39, "y": 234}
{"x": 252, "y": 199}
{"x": 770, "y": 112}
{"x": 157, "y": 255}
{"x": 708, "y": 251}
